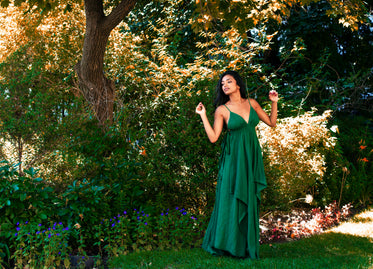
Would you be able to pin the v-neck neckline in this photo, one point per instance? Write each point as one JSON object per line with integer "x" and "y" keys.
{"x": 248, "y": 120}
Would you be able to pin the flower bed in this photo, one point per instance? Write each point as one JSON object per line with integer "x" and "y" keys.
{"x": 299, "y": 223}
{"x": 136, "y": 230}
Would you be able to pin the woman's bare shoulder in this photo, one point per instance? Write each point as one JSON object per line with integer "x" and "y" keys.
{"x": 253, "y": 102}
{"x": 221, "y": 110}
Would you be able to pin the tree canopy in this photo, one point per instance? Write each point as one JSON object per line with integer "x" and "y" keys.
{"x": 102, "y": 17}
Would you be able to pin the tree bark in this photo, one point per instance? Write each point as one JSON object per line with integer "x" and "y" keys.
{"x": 97, "y": 89}
{"x": 20, "y": 154}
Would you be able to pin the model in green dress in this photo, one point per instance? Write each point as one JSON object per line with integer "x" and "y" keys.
{"x": 234, "y": 225}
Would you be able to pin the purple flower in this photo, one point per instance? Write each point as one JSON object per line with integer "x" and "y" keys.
{"x": 112, "y": 225}
{"x": 18, "y": 228}
{"x": 26, "y": 222}
{"x": 17, "y": 223}
{"x": 138, "y": 218}
{"x": 146, "y": 223}
{"x": 125, "y": 212}
{"x": 58, "y": 234}
{"x": 16, "y": 234}
{"x": 67, "y": 228}
{"x": 49, "y": 235}
{"x": 39, "y": 224}
{"x": 162, "y": 214}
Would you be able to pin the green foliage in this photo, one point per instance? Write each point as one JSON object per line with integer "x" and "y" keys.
{"x": 181, "y": 39}
{"x": 178, "y": 162}
{"x": 334, "y": 64}
{"x": 24, "y": 197}
{"x": 35, "y": 111}
{"x": 357, "y": 144}
{"x": 38, "y": 246}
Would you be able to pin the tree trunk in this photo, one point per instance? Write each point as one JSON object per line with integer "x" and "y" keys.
{"x": 96, "y": 88}
{"x": 20, "y": 154}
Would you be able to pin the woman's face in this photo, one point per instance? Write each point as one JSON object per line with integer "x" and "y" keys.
{"x": 229, "y": 84}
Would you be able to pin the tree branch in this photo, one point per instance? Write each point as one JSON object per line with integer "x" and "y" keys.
{"x": 118, "y": 14}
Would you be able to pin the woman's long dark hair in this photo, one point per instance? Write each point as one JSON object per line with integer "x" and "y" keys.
{"x": 221, "y": 97}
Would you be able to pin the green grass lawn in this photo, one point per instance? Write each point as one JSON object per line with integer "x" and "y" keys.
{"x": 328, "y": 250}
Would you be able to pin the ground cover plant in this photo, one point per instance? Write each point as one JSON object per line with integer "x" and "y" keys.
{"x": 136, "y": 231}
{"x": 329, "y": 249}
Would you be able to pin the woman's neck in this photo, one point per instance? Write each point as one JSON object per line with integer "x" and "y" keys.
{"x": 235, "y": 98}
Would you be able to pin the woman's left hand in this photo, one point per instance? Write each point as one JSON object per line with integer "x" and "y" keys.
{"x": 273, "y": 96}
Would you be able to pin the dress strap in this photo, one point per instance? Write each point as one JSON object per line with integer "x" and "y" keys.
{"x": 227, "y": 107}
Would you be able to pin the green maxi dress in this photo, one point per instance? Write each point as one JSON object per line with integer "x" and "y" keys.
{"x": 234, "y": 224}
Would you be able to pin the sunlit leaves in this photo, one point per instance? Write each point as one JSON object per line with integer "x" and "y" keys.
{"x": 11, "y": 31}
{"x": 296, "y": 150}
{"x": 349, "y": 13}
{"x": 245, "y": 14}
{"x": 43, "y": 6}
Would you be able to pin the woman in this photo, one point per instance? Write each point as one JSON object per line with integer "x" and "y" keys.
{"x": 234, "y": 225}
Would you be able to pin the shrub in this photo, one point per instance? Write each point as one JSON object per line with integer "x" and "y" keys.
{"x": 22, "y": 198}
{"x": 37, "y": 246}
{"x": 294, "y": 156}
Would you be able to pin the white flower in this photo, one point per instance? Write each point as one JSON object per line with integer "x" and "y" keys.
{"x": 334, "y": 129}
{"x": 309, "y": 198}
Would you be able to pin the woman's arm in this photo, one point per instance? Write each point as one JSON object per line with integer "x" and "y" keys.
{"x": 214, "y": 132}
{"x": 272, "y": 119}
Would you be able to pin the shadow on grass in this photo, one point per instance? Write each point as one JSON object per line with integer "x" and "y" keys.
{"x": 328, "y": 250}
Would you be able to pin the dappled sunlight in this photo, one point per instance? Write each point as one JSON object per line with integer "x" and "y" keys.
{"x": 361, "y": 225}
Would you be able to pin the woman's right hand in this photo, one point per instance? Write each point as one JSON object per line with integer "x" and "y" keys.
{"x": 200, "y": 109}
